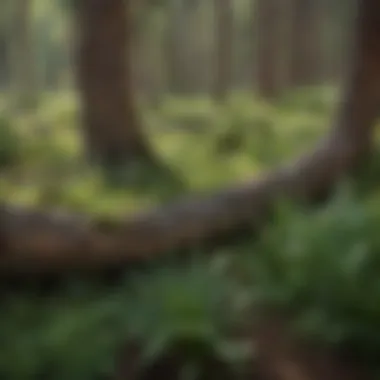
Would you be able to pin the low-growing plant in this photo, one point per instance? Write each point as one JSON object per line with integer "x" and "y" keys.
{"x": 322, "y": 267}
{"x": 177, "y": 304}
{"x": 10, "y": 144}
{"x": 78, "y": 333}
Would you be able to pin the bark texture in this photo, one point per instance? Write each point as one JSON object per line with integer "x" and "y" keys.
{"x": 37, "y": 241}
{"x": 111, "y": 128}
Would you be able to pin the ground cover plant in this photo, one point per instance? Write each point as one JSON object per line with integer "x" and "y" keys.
{"x": 319, "y": 266}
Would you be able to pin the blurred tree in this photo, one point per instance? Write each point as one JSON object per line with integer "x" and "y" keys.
{"x": 268, "y": 20}
{"x": 4, "y": 42}
{"x": 224, "y": 52}
{"x": 113, "y": 134}
{"x": 22, "y": 57}
{"x": 147, "y": 49}
{"x": 181, "y": 73}
{"x": 4, "y": 60}
{"x": 338, "y": 21}
{"x": 54, "y": 39}
{"x": 307, "y": 61}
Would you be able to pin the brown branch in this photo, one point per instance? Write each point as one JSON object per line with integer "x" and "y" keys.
{"x": 33, "y": 241}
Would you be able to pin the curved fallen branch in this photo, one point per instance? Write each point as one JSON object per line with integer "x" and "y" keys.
{"x": 33, "y": 241}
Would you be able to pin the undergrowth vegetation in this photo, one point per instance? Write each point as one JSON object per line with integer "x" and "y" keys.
{"x": 205, "y": 145}
{"x": 321, "y": 266}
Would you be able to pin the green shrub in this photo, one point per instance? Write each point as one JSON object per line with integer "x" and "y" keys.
{"x": 316, "y": 100}
{"x": 10, "y": 144}
{"x": 188, "y": 114}
{"x": 194, "y": 303}
{"x": 77, "y": 334}
{"x": 323, "y": 267}
{"x": 67, "y": 337}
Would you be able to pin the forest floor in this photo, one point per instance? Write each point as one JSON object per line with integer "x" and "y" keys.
{"x": 319, "y": 268}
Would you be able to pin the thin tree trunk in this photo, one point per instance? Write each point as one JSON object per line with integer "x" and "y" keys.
{"x": 338, "y": 24}
{"x": 112, "y": 131}
{"x": 4, "y": 61}
{"x": 56, "y": 243}
{"x": 224, "y": 48}
{"x": 180, "y": 52}
{"x": 147, "y": 53}
{"x": 22, "y": 55}
{"x": 174, "y": 39}
{"x": 307, "y": 61}
{"x": 269, "y": 19}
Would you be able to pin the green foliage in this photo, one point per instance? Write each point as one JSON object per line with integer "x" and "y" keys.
{"x": 72, "y": 337}
{"x": 77, "y": 334}
{"x": 323, "y": 267}
{"x": 312, "y": 100}
{"x": 367, "y": 175}
{"x": 175, "y": 304}
{"x": 192, "y": 136}
{"x": 10, "y": 144}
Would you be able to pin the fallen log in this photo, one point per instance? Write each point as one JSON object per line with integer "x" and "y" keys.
{"x": 33, "y": 241}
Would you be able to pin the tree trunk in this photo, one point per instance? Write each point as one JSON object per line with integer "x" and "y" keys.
{"x": 180, "y": 52}
{"x": 147, "y": 53}
{"x": 56, "y": 243}
{"x": 337, "y": 32}
{"x": 224, "y": 48}
{"x": 269, "y": 21}
{"x": 307, "y": 61}
{"x": 22, "y": 55}
{"x": 112, "y": 131}
{"x": 4, "y": 61}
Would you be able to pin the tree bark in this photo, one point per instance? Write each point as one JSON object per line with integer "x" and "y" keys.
{"x": 32, "y": 241}
{"x": 224, "y": 48}
{"x": 269, "y": 36}
{"x": 307, "y": 62}
{"x": 112, "y": 132}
